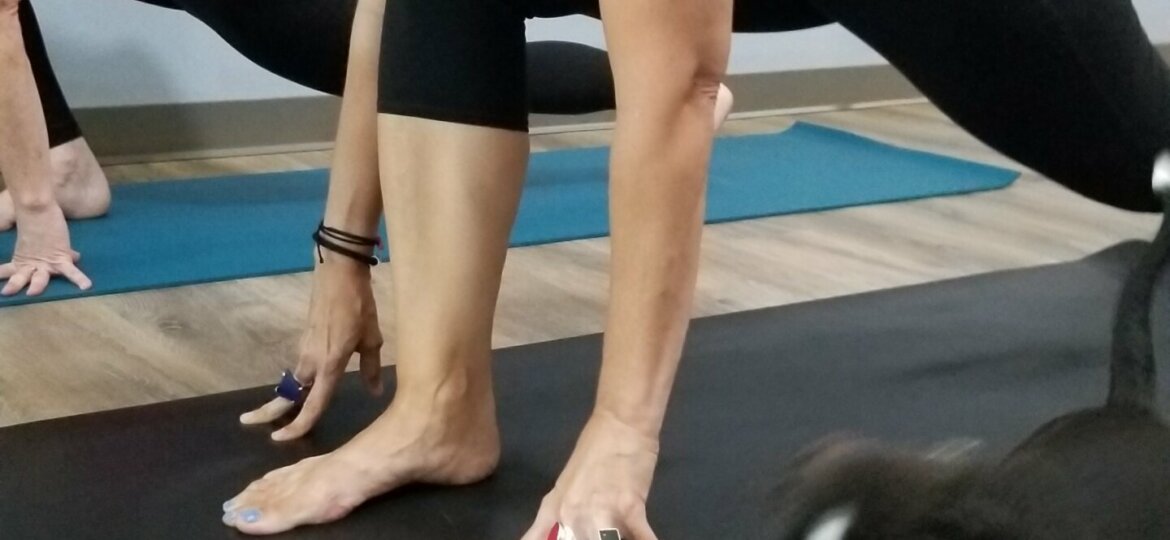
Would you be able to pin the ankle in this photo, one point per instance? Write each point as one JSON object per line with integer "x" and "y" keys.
{"x": 457, "y": 392}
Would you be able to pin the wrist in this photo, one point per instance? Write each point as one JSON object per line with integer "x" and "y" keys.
{"x": 638, "y": 419}
{"x": 34, "y": 202}
{"x": 335, "y": 263}
{"x": 339, "y": 243}
{"x": 353, "y": 222}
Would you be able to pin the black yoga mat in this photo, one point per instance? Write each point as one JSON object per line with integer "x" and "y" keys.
{"x": 990, "y": 356}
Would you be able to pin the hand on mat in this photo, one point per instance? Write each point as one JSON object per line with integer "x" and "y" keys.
{"x": 343, "y": 320}
{"x": 42, "y": 251}
{"x": 604, "y": 485}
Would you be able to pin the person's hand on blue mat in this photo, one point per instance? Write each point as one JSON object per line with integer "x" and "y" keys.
{"x": 343, "y": 321}
{"x": 604, "y": 486}
{"x": 42, "y": 251}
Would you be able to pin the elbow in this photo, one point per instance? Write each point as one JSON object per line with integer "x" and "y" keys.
{"x": 10, "y": 34}
{"x": 9, "y": 11}
{"x": 706, "y": 89}
{"x": 707, "y": 77}
{"x": 700, "y": 83}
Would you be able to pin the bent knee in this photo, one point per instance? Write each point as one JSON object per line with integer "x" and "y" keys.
{"x": 9, "y": 9}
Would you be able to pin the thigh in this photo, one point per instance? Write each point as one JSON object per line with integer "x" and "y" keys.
{"x": 1074, "y": 90}
{"x": 458, "y": 61}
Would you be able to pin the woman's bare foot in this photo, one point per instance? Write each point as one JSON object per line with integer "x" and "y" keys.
{"x": 79, "y": 184}
{"x": 446, "y": 444}
{"x": 723, "y": 103}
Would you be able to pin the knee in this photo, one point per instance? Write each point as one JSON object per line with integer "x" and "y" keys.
{"x": 9, "y": 9}
{"x": 10, "y": 34}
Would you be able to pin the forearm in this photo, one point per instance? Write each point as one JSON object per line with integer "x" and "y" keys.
{"x": 24, "y": 146}
{"x": 355, "y": 195}
{"x": 668, "y": 58}
{"x": 657, "y": 204}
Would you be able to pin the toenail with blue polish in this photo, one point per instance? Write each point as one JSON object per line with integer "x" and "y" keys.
{"x": 250, "y": 515}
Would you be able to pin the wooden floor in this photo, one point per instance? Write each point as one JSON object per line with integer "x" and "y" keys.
{"x": 86, "y": 355}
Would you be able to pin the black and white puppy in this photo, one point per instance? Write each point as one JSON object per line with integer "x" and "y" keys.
{"x": 1096, "y": 474}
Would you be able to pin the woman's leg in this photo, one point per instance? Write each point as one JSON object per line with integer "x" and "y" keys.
{"x": 565, "y": 77}
{"x": 1073, "y": 90}
{"x": 58, "y": 118}
{"x": 79, "y": 184}
{"x": 450, "y": 192}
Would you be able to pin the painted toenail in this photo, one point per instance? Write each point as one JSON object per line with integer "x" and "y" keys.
{"x": 250, "y": 515}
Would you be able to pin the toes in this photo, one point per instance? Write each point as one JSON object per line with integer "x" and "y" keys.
{"x": 250, "y": 512}
{"x": 242, "y": 517}
{"x": 249, "y": 515}
{"x": 259, "y": 521}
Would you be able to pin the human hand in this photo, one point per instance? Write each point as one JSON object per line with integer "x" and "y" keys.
{"x": 42, "y": 251}
{"x": 343, "y": 320}
{"x": 604, "y": 486}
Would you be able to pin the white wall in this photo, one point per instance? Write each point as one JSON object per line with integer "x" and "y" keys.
{"x": 119, "y": 52}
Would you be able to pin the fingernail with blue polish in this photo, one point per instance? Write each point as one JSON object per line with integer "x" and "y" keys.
{"x": 228, "y": 505}
{"x": 229, "y": 517}
{"x": 250, "y": 515}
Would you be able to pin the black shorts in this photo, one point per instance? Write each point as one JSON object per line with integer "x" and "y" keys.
{"x": 463, "y": 61}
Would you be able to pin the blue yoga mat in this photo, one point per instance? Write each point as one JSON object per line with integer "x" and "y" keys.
{"x": 168, "y": 234}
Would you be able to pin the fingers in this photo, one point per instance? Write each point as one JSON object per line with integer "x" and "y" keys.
{"x": 18, "y": 281}
{"x": 269, "y": 412}
{"x": 545, "y": 519}
{"x": 587, "y": 528}
{"x": 76, "y": 276}
{"x": 371, "y": 369}
{"x": 40, "y": 280}
{"x": 36, "y": 277}
{"x": 588, "y": 524}
{"x": 639, "y": 527}
{"x": 278, "y": 407}
{"x": 314, "y": 407}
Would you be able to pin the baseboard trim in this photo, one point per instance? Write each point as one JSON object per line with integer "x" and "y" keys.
{"x": 202, "y": 130}
{"x": 191, "y": 130}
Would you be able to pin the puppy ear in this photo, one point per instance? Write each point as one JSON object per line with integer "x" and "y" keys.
{"x": 832, "y": 525}
{"x": 952, "y": 450}
{"x": 1162, "y": 172}
{"x": 833, "y": 445}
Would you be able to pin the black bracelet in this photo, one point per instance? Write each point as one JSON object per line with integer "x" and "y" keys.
{"x": 324, "y": 237}
{"x": 339, "y": 234}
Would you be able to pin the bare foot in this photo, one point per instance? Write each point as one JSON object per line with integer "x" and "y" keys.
{"x": 723, "y": 103}
{"x": 407, "y": 444}
{"x": 79, "y": 184}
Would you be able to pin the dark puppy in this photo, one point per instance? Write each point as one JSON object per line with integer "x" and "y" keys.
{"x": 1100, "y": 474}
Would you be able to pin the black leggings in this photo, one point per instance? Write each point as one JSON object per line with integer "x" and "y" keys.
{"x": 1074, "y": 90}
{"x": 307, "y": 42}
{"x": 59, "y": 120}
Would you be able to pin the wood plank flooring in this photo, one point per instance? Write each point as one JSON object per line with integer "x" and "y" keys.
{"x": 79, "y": 356}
